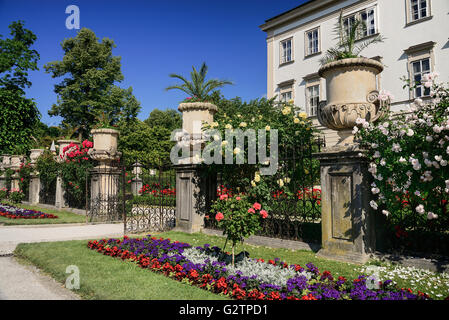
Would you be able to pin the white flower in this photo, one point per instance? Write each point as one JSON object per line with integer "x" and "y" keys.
{"x": 355, "y": 130}
{"x": 376, "y": 154}
{"x": 386, "y": 213}
{"x": 396, "y": 147}
{"x": 373, "y": 204}
{"x": 383, "y": 162}
{"x": 431, "y": 216}
{"x": 410, "y": 132}
{"x": 429, "y": 139}
{"x": 420, "y": 209}
{"x": 375, "y": 190}
{"x": 402, "y": 160}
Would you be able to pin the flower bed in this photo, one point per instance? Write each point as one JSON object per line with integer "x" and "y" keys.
{"x": 250, "y": 279}
{"x": 12, "y": 212}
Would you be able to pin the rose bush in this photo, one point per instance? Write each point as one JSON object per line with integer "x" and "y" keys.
{"x": 409, "y": 154}
{"x": 237, "y": 218}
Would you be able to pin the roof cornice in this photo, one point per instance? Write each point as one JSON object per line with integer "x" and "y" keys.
{"x": 295, "y": 13}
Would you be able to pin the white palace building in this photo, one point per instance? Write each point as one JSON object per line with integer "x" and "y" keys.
{"x": 416, "y": 42}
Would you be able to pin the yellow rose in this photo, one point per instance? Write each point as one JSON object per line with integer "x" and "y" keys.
{"x": 281, "y": 183}
{"x": 267, "y": 128}
{"x": 286, "y": 110}
{"x": 296, "y": 120}
{"x": 237, "y": 150}
{"x": 243, "y": 124}
{"x": 291, "y": 101}
{"x": 257, "y": 178}
{"x": 253, "y": 183}
{"x": 302, "y": 115}
{"x": 228, "y": 126}
{"x": 224, "y": 143}
{"x": 214, "y": 124}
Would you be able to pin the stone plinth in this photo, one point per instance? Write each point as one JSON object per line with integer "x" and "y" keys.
{"x": 196, "y": 113}
{"x": 136, "y": 181}
{"x": 191, "y": 198}
{"x": 347, "y": 218}
{"x": 35, "y": 188}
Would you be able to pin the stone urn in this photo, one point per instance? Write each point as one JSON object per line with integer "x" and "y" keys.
{"x": 105, "y": 144}
{"x": 62, "y": 144}
{"x": 16, "y": 160}
{"x": 34, "y": 155}
{"x": 6, "y": 161}
{"x": 351, "y": 94}
{"x": 194, "y": 115}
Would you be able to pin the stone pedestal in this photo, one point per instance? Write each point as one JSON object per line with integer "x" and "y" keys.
{"x": 348, "y": 232}
{"x": 136, "y": 181}
{"x": 191, "y": 198}
{"x": 59, "y": 196}
{"x": 35, "y": 188}
{"x": 105, "y": 204}
{"x": 192, "y": 189}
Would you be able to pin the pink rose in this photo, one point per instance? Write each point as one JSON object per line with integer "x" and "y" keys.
{"x": 263, "y": 214}
{"x": 237, "y": 198}
{"x": 257, "y": 206}
{"x": 223, "y": 197}
{"x": 219, "y": 216}
{"x": 251, "y": 210}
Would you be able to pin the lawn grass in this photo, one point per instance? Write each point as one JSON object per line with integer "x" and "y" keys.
{"x": 103, "y": 277}
{"x": 63, "y": 216}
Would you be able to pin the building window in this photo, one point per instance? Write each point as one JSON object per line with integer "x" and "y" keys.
{"x": 418, "y": 9}
{"x": 312, "y": 42}
{"x": 312, "y": 99}
{"x": 286, "y": 51}
{"x": 419, "y": 69}
{"x": 420, "y": 60}
{"x": 286, "y": 96}
{"x": 286, "y": 90}
{"x": 367, "y": 16}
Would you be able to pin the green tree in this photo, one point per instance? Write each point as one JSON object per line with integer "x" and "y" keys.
{"x": 18, "y": 114}
{"x": 148, "y": 145}
{"x": 170, "y": 119}
{"x": 88, "y": 94}
{"x": 198, "y": 87}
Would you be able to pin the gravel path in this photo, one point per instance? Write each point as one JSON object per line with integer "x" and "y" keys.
{"x": 23, "y": 282}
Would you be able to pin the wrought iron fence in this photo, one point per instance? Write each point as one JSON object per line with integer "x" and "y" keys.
{"x": 293, "y": 196}
{"x": 150, "y": 201}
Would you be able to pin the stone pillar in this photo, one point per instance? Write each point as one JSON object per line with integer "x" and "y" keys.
{"x": 136, "y": 182}
{"x": 191, "y": 187}
{"x": 35, "y": 181}
{"x": 105, "y": 177}
{"x": 16, "y": 160}
{"x": 60, "y": 201}
{"x": 347, "y": 218}
{"x": 6, "y": 161}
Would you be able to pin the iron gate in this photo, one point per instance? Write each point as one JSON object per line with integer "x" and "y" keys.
{"x": 150, "y": 198}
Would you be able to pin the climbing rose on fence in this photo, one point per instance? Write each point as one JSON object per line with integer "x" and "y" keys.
{"x": 409, "y": 156}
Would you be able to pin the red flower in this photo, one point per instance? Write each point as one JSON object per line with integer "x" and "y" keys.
{"x": 257, "y": 206}
{"x": 219, "y": 216}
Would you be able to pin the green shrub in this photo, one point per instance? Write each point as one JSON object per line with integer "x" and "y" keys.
{"x": 16, "y": 196}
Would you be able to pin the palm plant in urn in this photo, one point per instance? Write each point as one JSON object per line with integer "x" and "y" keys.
{"x": 350, "y": 81}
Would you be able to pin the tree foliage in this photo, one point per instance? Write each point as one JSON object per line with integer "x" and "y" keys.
{"x": 87, "y": 95}
{"x": 18, "y": 114}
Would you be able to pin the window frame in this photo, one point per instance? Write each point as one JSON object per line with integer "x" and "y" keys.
{"x": 357, "y": 14}
{"x": 410, "y": 20}
{"x": 282, "y": 60}
{"x": 286, "y": 87}
{"x": 311, "y": 83}
{"x": 307, "y": 42}
{"x": 418, "y": 53}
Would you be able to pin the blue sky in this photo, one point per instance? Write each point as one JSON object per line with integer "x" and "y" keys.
{"x": 154, "y": 39}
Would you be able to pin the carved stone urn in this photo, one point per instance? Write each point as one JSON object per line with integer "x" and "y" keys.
{"x": 34, "y": 155}
{"x": 194, "y": 115}
{"x": 105, "y": 145}
{"x": 351, "y": 94}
